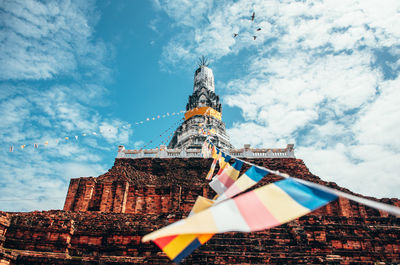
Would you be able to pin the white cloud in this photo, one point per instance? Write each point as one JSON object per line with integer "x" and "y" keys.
{"x": 53, "y": 75}
{"x": 40, "y": 40}
{"x": 312, "y": 77}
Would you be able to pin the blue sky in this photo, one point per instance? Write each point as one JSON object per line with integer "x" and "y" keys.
{"x": 323, "y": 75}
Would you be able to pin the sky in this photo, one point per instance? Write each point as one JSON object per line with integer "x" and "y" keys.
{"x": 321, "y": 74}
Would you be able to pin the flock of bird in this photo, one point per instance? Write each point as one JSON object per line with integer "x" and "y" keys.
{"x": 252, "y": 19}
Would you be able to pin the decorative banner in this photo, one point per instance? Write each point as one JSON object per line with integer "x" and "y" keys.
{"x": 205, "y": 150}
{"x": 211, "y": 172}
{"x": 179, "y": 247}
{"x": 203, "y": 111}
{"x": 271, "y": 205}
{"x": 250, "y": 178}
{"x": 223, "y": 181}
{"x": 223, "y": 161}
{"x": 36, "y": 145}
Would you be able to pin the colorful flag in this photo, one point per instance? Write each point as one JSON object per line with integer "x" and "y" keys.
{"x": 223, "y": 161}
{"x": 35, "y": 145}
{"x": 23, "y": 146}
{"x": 179, "y": 247}
{"x": 201, "y": 204}
{"x": 11, "y": 148}
{"x": 83, "y": 134}
{"x": 269, "y": 206}
{"x": 205, "y": 150}
{"x": 250, "y": 178}
{"x": 211, "y": 172}
{"x": 66, "y": 138}
{"x": 46, "y": 143}
{"x": 221, "y": 182}
{"x": 214, "y": 152}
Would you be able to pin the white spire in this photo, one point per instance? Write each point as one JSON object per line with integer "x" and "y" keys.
{"x": 204, "y": 77}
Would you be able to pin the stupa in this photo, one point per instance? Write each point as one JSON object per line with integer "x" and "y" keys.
{"x": 203, "y": 114}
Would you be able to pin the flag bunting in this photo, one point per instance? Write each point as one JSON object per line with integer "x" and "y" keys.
{"x": 236, "y": 210}
{"x": 66, "y": 138}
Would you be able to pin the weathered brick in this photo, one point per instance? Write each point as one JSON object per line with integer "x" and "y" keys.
{"x": 107, "y": 216}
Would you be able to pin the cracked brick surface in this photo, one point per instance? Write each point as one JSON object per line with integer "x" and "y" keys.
{"x": 105, "y": 217}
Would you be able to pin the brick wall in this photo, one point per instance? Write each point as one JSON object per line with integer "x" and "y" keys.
{"x": 106, "y": 217}
{"x": 100, "y": 237}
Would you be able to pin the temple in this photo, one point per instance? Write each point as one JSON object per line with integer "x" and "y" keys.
{"x": 203, "y": 115}
{"x": 105, "y": 217}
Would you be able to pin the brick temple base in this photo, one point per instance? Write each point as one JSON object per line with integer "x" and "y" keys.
{"x": 104, "y": 219}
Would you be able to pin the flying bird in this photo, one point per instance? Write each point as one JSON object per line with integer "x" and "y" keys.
{"x": 255, "y": 37}
{"x": 258, "y": 29}
{"x": 235, "y": 35}
{"x": 253, "y": 16}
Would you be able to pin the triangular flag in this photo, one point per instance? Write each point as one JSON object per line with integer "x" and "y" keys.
{"x": 263, "y": 208}
{"x": 221, "y": 182}
{"x": 211, "y": 172}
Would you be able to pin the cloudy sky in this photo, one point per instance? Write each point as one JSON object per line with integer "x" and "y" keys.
{"x": 323, "y": 75}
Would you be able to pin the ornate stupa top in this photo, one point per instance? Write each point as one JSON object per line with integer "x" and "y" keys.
{"x": 203, "y": 77}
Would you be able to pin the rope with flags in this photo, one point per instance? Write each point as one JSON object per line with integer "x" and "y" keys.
{"x": 165, "y": 131}
{"x": 238, "y": 210}
{"x": 37, "y": 144}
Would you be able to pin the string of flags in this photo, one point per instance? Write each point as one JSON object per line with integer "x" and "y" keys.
{"x": 235, "y": 209}
{"x": 165, "y": 131}
{"x": 36, "y": 145}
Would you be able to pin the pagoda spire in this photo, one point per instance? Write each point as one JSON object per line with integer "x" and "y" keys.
{"x": 203, "y": 114}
